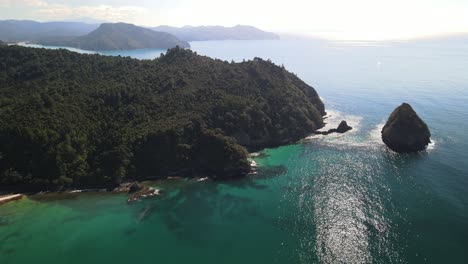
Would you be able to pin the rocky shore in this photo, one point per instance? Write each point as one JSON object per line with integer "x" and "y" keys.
{"x": 9, "y": 198}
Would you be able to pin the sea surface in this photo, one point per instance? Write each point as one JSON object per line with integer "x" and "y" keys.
{"x": 327, "y": 199}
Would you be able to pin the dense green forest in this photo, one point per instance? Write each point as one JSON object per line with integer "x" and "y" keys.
{"x": 76, "y": 120}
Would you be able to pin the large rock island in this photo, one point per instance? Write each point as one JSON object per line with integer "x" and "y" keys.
{"x": 119, "y": 36}
{"x": 81, "y": 121}
{"x": 405, "y": 131}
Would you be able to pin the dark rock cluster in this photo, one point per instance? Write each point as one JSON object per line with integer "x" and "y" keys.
{"x": 343, "y": 127}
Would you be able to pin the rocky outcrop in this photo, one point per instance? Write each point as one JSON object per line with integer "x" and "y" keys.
{"x": 405, "y": 131}
{"x": 146, "y": 192}
{"x": 135, "y": 187}
{"x": 342, "y": 128}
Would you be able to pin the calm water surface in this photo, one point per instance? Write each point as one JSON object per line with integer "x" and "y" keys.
{"x": 334, "y": 199}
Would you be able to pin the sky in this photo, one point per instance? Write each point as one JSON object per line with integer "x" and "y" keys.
{"x": 335, "y": 19}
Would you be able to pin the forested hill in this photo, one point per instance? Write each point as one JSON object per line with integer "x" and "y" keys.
{"x": 119, "y": 36}
{"x": 75, "y": 120}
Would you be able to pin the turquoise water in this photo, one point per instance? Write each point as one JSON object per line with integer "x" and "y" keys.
{"x": 333, "y": 199}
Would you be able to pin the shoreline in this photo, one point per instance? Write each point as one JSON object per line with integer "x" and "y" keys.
{"x": 10, "y": 198}
{"x": 122, "y": 188}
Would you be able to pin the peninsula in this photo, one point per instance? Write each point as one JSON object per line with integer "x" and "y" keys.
{"x": 70, "y": 120}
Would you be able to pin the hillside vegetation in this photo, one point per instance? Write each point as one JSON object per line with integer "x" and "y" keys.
{"x": 75, "y": 120}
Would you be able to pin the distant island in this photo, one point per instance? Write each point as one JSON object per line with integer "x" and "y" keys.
{"x": 70, "y": 120}
{"x": 189, "y": 33}
{"x": 119, "y": 36}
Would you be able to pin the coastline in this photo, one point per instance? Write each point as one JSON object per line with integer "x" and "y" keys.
{"x": 9, "y": 198}
{"x": 125, "y": 186}
{"x": 122, "y": 188}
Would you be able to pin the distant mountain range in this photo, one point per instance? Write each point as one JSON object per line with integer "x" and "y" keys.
{"x": 108, "y": 36}
{"x": 26, "y": 30}
{"x": 119, "y": 36}
{"x": 189, "y": 33}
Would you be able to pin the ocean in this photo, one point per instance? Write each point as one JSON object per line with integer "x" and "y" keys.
{"x": 327, "y": 199}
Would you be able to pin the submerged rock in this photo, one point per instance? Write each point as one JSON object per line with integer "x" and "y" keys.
{"x": 144, "y": 193}
{"x": 342, "y": 128}
{"x": 405, "y": 131}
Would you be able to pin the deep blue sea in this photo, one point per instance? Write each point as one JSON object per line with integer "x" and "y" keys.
{"x": 327, "y": 199}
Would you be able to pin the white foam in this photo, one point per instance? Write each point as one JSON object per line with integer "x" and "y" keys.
{"x": 431, "y": 145}
{"x": 350, "y": 138}
{"x": 372, "y": 140}
{"x": 253, "y": 164}
{"x": 202, "y": 179}
{"x": 375, "y": 135}
{"x": 333, "y": 119}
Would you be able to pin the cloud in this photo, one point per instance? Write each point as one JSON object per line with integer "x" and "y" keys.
{"x": 102, "y": 12}
{"x": 49, "y": 11}
{"x": 34, "y": 3}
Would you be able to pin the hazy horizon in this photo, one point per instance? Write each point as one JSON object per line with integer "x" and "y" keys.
{"x": 335, "y": 19}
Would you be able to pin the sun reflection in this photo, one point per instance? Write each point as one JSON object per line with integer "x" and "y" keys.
{"x": 345, "y": 208}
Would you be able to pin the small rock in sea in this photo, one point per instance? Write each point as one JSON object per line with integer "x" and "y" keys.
{"x": 405, "y": 131}
{"x": 343, "y": 127}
